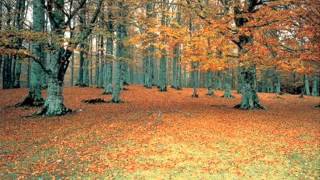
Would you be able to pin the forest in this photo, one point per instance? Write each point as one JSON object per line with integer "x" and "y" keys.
{"x": 159, "y": 89}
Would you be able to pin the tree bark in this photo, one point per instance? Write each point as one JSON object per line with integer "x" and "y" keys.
{"x": 306, "y": 85}
{"x": 249, "y": 94}
{"x": 227, "y": 85}
{"x": 121, "y": 53}
{"x": 315, "y": 86}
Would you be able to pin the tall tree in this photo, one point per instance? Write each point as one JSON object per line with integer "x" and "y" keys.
{"x": 54, "y": 104}
{"x": 20, "y": 9}
{"x": 121, "y": 50}
{"x": 109, "y": 51}
{"x": 34, "y": 97}
{"x": 83, "y": 75}
{"x": 164, "y": 55}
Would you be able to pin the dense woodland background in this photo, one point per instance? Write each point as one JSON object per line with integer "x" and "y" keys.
{"x": 245, "y": 45}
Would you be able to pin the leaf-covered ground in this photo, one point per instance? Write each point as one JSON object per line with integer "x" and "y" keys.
{"x": 154, "y": 135}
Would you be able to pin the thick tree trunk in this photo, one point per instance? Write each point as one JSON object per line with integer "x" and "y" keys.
{"x": 53, "y": 105}
{"x": 83, "y": 76}
{"x": 72, "y": 70}
{"x": 227, "y": 85}
{"x": 315, "y": 86}
{"x": 240, "y": 80}
{"x": 86, "y": 72}
{"x": 20, "y": 12}
{"x": 6, "y": 73}
{"x": 177, "y": 81}
{"x": 218, "y": 82}
{"x": 149, "y": 52}
{"x": 108, "y": 79}
{"x": 150, "y": 60}
{"x": 109, "y": 51}
{"x": 34, "y": 97}
{"x": 277, "y": 83}
{"x": 116, "y": 81}
{"x": 306, "y": 85}
{"x": 174, "y": 73}
{"x": 80, "y": 73}
{"x": 163, "y": 60}
{"x": 195, "y": 79}
{"x": 210, "y": 83}
{"x": 163, "y": 72}
{"x": 250, "y": 99}
{"x": 121, "y": 54}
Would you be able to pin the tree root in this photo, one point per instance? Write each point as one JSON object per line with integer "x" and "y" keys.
{"x": 115, "y": 102}
{"x": 30, "y": 102}
{"x": 58, "y": 112}
{"x": 247, "y": 107}
{"x": 106, "y": 93}
{"x": 195, "y": 95}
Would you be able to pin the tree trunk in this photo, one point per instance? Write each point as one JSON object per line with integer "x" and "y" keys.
{"x": 195, "y": 79}
{"x": 80, "y": 73}
{"x": 163, "y": 72}
{"x": 108, "y": 66}
{"x": 210, "y": 83}
{"x": 6, "y": 73}
{"x": 250, "y": 99}
{"x": 83, "y": 66}
{"x": 86, "y": 72}
{"x": 306, "y": 85}
{"x": 121, "y": 53}
{"x": 109, "y": 51}
{"x": 227, "y": 85}
{"x": 277, "y": 83}
{"x": 20, "y": 11}
{"x": 315, "y": 86}
{"x": 116, "y": 80}
{"x": 149, "y": 54}
{"x": 34, "y": 97}
{"x": 54, "y": 103}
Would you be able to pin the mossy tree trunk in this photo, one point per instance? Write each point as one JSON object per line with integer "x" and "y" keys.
{"x": 227, "y": 84}
{"x": 195, "y": 79}
{"x": 177, "y": 67}
{"x": 210, "y": 83}
{"x": 315, "y": 86}
{"x": 109, "y": 51}
{"x": 20, "y": 8}
{"x": 121, "y": 52}
{"x": 149, "y": 53}
{"x": 277, "y": 82}
{"x": 163, "y": 60}
{"x": 7, "y": 75}
{"x": 102, "y": 62}
{"x": 83, "y": 66}
{"x": 34, "y": 97}
{"x": 54, "y": 104}
{"x": 250, "y": 99}
{"x": 306, "y": 85}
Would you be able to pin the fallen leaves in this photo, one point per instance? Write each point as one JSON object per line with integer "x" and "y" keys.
{"x": 168, "y": 134}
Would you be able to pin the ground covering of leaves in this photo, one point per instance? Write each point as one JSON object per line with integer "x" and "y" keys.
{"x": 154, "y": 135}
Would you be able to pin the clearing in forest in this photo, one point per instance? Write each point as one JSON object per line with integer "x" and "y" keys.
{"x": 154, "y": 135}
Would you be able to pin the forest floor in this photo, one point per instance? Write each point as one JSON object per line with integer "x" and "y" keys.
{"x": 154, "y": 135}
